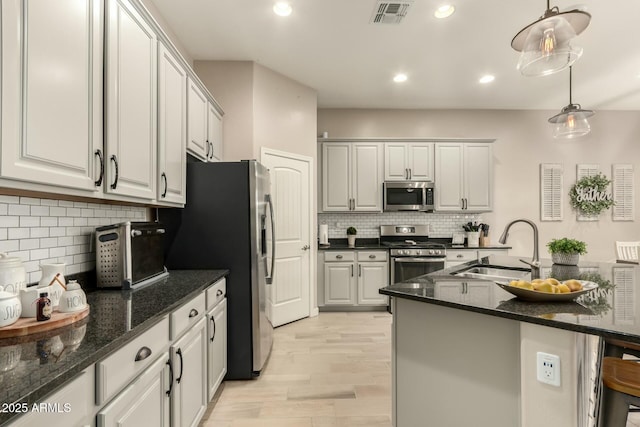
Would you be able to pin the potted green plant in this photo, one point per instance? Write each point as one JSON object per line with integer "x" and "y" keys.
{"x": 566, "y": 251}
{"x": 351, "y": 236}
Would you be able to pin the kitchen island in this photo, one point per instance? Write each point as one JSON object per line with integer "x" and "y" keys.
{"x": 32, "y": 367}
{"x": 465, "y": 350}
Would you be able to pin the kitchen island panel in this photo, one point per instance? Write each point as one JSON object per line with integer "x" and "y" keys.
{"x": 455, "y": 367}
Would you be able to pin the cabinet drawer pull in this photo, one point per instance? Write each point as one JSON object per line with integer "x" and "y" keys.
{"x": 98, "y": 153}
{"x": 170, "y": 377}
{"x": 219, "y": 292}
{"x": 114, "y": 159}
{"x": 372, "y": 256}
{"x": 166, "y": 184}
{"x": 339, "y": 257}
{"x": 459, "y": 256}
{"x": 179, "y": 353}
{"x": 193, "y": 313}
{"x": 143, "y": 353}
{"x": 213, "y": 336}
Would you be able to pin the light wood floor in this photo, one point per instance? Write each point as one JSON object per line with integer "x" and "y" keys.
{"x": 326, "y": 371}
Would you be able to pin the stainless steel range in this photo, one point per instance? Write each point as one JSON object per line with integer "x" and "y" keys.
{"x": 412, "y": 253}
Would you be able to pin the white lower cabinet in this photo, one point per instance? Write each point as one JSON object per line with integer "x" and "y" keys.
{"x": 72, "y": 403}
{"x": 217, "y": 348}
{"x": 189, "y": 361}
{"x": 145, "y": 402}
{"x": 353, "y": 278}
{"x": 470, "y": 292}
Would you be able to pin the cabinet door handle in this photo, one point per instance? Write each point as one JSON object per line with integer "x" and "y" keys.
{"x": 98, "y": 153}
{"x": 211, "y": 155}
{"x": 219, "y": 292}
{"x": 114, "y": 159}
{"x": 466, "y": 203}
{"x": 166, "y": 184}
{"x": 193, "y": 313}
{"x": 170, "y": 377}
{"x": 351, "y": 270}
{"x": 359, "y": 270}
{"x": 213, "y": 320}
{"x": 208, "y": 149}
{"x": 143, "y": 353}
{"x": 406, "y": 173}
{"x": 409, "y": 173}
{"x": 339, "y": 256}
{"x": 179, "y": 353}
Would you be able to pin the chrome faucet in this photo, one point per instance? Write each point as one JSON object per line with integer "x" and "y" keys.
{"x": 535, "y": 261}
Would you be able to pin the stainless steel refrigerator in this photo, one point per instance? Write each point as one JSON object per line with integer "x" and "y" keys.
{"x": 226, "y": 224}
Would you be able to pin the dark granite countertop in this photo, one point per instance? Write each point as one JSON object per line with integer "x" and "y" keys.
{"x": 32, "y": 367}
{"x": 593, "y": 313}
{"x": 374, "y": 243}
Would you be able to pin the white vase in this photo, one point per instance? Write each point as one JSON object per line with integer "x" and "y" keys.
{"x": 351, "y": 240}
{"x": 49, "y": 271}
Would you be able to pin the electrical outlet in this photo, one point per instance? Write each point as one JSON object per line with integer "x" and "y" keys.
{"x": 548, "y": 368}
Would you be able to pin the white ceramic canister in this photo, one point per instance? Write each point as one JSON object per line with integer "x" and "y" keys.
{"x": 10, "y": 308}
{"x": 13, "y": 276}
{"x": 9, "y": 357}
{"x": 49, "y": 272}
{"x": 73, "y": 299}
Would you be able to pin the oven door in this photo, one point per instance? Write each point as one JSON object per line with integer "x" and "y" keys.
{"x": 406, "y": 268}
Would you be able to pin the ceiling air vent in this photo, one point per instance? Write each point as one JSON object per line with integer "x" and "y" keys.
{"x": 390, "y": 13}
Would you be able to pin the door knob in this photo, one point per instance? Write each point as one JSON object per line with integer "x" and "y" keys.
{"x": 306, "y": 247}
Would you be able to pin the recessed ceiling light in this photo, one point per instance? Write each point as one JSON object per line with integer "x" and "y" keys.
{"x": 444, "y": 11}
{"x": 487, "y": 79}
{"x": 399, "y": 78}
{"x": 282, "y": 8}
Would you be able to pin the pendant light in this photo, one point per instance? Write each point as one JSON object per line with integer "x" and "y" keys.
{"x": 572, "y": 121}
{"x": 545, "y": 44}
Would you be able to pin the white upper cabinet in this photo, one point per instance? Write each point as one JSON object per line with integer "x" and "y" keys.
{"x": 131, "y": 65}
{"x": 214, "y": 133}
{"x": 52, "y": 92}
{"x": 352, "y": 177}
{"x": 197, "y": 143}
{"x": 408, "y": 161}
{"x": 463, "y": 177}
{"x": 172, "y": 128}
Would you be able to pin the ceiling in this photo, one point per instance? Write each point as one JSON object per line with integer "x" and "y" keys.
{"x": 331, "y": 46}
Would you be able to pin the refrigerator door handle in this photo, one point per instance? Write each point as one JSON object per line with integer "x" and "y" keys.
{"x": 269, "y": 278}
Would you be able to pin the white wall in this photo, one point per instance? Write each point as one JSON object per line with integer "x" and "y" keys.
{"x": 523, "y": 141}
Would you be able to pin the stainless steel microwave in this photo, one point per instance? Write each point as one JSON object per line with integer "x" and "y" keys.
{"x": 408, "y": 196}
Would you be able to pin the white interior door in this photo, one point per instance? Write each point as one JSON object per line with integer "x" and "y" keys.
{"x": 288, "y": 298}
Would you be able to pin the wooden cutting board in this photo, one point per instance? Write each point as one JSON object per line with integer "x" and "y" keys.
{"x": 29, "y": 325}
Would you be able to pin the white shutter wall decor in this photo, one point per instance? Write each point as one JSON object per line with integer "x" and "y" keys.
{"x": 583, "y": 170}
{"x": 624, "y": 295}
{"x": 622, "y": 177}
{"x": 551, "y": 179}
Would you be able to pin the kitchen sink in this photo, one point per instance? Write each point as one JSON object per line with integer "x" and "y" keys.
{"x": 499, "y": 273}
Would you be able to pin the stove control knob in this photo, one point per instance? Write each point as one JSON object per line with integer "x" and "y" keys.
{"x": 431, "y": 252}
{"x": 437, "y": 252}
{"x": 418, "y": 252}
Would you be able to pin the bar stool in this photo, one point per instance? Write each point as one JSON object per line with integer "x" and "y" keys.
{"x": 621, "y": 380}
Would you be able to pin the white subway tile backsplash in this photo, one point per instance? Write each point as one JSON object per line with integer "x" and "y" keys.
{"x": 18, "y": 233}
{"x": 19, "y": 210}
{"x": 29, "y": 221}
{"x": 38, "y": 254}
{"x": 368, "y": 225}
{"x": 41, "y": 231}
{"x": 26, "y": 244}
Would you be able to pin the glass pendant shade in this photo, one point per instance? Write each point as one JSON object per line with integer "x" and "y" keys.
{"x": 545, "y": 45}
{"x": 571, "y": 122}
